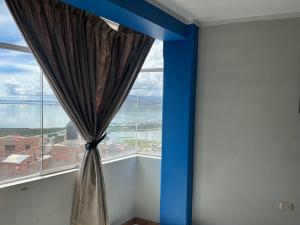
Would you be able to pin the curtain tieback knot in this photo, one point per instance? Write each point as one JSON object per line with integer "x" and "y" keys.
{"x": 93, "y": 145}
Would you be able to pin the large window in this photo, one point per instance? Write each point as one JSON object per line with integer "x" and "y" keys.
{"x": 36, "y": 135}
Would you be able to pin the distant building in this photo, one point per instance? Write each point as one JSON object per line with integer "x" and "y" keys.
{"x": 72, "y": 133}
{"x": 15, "y": 144}
{"x": 20, "y": 156}
{"x": 72, "y": 136}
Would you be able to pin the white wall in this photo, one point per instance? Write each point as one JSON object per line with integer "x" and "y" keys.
{"x": 247, "y": 155}
{"x": 43, "y": 202}
{"x": 48, "y": 201}
{"x": 120, "y": 181}
{"x": 147, "y": 194}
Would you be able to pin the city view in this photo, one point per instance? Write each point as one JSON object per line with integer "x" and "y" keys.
{"x": 36, "y": 134}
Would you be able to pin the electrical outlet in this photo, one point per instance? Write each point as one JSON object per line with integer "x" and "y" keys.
{"x": 286, "y": 206}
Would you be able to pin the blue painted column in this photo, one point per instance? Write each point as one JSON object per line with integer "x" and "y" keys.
{"x": 180, "y": 73}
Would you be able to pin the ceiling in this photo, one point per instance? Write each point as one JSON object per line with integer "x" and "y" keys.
{"x": 211, "y": 12}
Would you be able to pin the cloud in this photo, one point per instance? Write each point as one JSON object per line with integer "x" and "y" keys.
{"x": 9, "y": 87}
{"x": 20, "y": 76}
{"x": 151, "y": 83}
{"x": 148, "y": 84}
{"x": 155, "y": 56}
{"x": 14, "y": 88}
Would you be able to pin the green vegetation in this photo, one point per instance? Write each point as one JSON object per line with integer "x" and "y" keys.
{"x": 141, "y": 143}
{"x": 133, "y": 127}
{"x": 53, "y": 132}
{"x": 57, "y": 134}
{"x": 27, "y": 132}
{"x": 58, "y": 138}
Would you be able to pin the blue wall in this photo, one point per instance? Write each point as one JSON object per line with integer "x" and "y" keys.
{"x": 180, "y": 70}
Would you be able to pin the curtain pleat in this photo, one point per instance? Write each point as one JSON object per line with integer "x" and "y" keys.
{"x": 91, "y": 69}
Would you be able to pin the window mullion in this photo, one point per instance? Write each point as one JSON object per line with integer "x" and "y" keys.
{"x": 42, "y": 123}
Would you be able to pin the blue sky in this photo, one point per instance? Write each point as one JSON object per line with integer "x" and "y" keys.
{"x": 8, "y": 29}
{"x": 20, "y": 74}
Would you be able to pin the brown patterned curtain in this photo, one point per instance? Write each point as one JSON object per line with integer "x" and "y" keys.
{"x": 91, "y": 69}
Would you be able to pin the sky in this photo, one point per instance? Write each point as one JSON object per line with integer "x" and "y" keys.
{"x": 20, "y": 76}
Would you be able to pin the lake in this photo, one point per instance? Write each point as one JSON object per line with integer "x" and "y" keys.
{"x": 28, "y": 114}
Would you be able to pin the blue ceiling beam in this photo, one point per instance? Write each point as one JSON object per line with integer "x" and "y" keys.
{"x": 138, "y": 15}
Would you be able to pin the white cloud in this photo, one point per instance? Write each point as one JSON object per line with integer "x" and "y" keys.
{"x": 155, "y": 56}
{"x": 148, "y": 84}
{"x": 20, "y": 74}
{"x": 14, "y": 88}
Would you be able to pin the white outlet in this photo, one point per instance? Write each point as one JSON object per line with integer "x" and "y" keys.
{"x": 286, "y": 206}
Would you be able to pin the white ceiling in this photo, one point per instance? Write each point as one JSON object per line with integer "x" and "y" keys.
{"x": 210, "y": 12}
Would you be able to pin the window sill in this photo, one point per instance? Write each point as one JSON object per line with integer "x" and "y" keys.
{"x": 53, "y": 173}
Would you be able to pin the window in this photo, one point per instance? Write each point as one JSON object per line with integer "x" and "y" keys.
{"x": 137, "y": 126}
{"x": 20, "y": 115}
{"x": 37, "y": 136}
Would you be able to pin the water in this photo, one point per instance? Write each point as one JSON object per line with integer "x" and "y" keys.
{"x": 28, "y": 115}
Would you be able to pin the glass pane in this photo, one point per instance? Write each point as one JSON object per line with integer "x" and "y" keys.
{"x": 63, "y": 146}
{"x": 155, "y": 56}
{"x": 121, "y": 138}
{"x": 9, "y": 31}
{"x": 137, "y": 126}
{"x": 20, "y": 115}
{"x": 148, "y": 90}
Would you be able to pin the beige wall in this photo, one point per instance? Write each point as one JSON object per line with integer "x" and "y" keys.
{"x": 247, "y": 154}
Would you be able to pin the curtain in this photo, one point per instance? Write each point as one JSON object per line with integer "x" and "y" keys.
{"x": 91, "y": 69}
